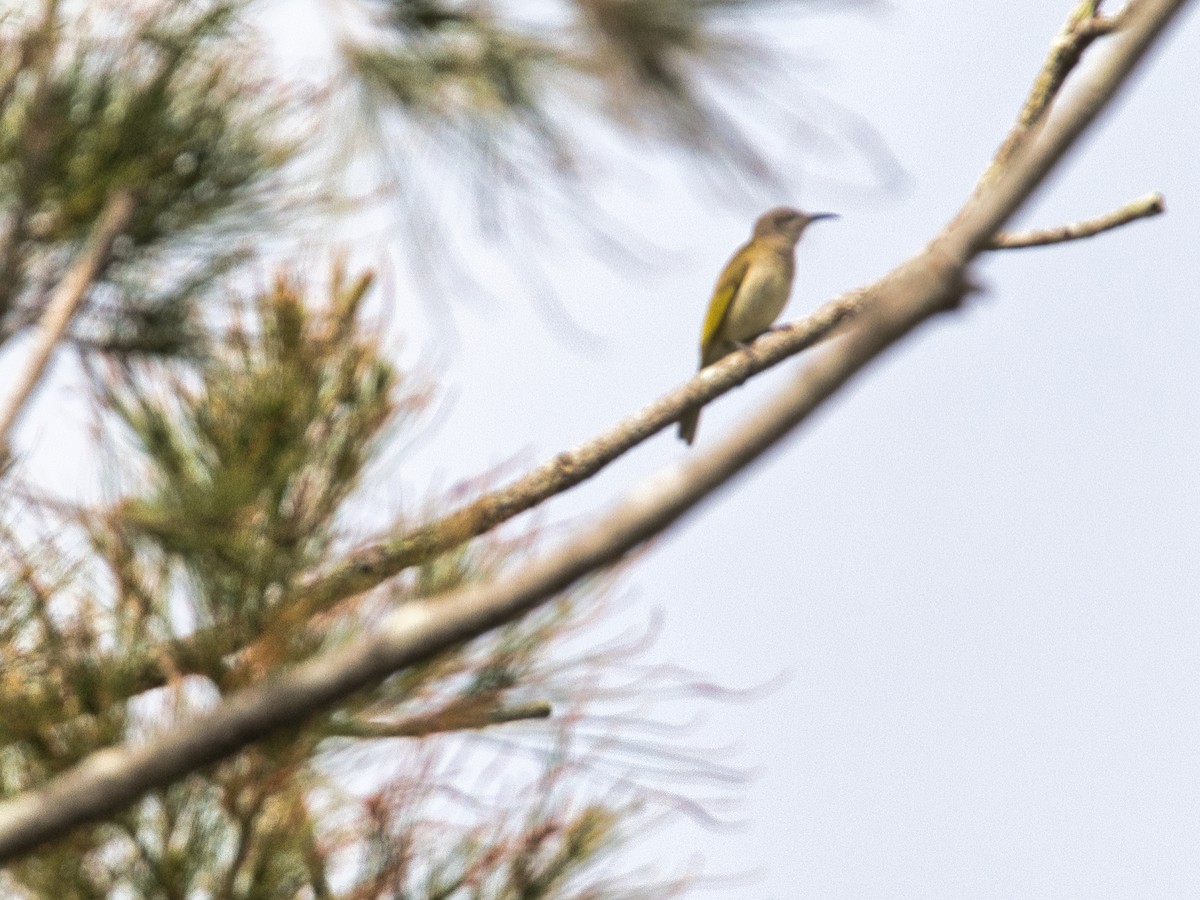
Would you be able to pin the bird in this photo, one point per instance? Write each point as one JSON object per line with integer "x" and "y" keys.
{"x": 751, "y": 292}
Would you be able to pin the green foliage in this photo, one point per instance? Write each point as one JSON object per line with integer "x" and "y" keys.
{"x": 249, "y": 468}
{"x": 164, "y": 106}
{"x": 163, "y": 112}
{"x": 242, "y": 470}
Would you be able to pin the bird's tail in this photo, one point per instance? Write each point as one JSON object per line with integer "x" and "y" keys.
{"x": 687, "y": 426}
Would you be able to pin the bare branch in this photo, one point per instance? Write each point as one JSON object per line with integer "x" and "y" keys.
{"x": 1141, "y": 208}
{"x": 90, "y": 264}
{"x": 1083, "y": 26}
{"x": 931, "y": 282}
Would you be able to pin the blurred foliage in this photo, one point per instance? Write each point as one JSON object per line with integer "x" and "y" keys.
{"x": 250, "y": 466}
{"x": 651, "y": 54}
{"x": 447, "y": 64}
{"x": 493, "y": 74}
{"x": 158, "y": 114}
{"x": 165, "y": 106}
{"x": 241, "y": 472}
{"x": 486, "y": 61}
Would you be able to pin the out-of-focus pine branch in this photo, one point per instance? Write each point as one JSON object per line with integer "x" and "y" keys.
{"x": 637, "y": 64}
{"x": 165, "y": 108}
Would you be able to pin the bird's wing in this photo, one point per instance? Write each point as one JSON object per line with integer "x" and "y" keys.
{"x": 722, "y": 298}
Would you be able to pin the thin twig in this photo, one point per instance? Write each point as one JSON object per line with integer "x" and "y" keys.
{"x": 67, "y": 297}
{"x": 1141, "y": 208}
{"x": 931, "y": 282}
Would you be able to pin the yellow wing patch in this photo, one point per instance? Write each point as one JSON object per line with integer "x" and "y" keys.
{"x": 722, "y": 299}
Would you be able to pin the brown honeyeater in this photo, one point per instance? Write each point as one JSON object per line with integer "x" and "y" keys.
{"x": 752, "y": 291}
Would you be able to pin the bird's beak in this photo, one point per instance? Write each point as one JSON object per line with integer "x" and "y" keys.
{"x": 813, "y": 217}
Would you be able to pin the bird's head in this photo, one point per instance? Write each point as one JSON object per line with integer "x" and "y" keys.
{"x": 785, "y": 222}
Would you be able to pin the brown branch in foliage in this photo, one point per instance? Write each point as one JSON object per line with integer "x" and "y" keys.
{"x": 932, "y": 282}
{"x": 466, "y": 714}
{"x": 67, "y": 297}
{"x": 1141, "y": 208}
